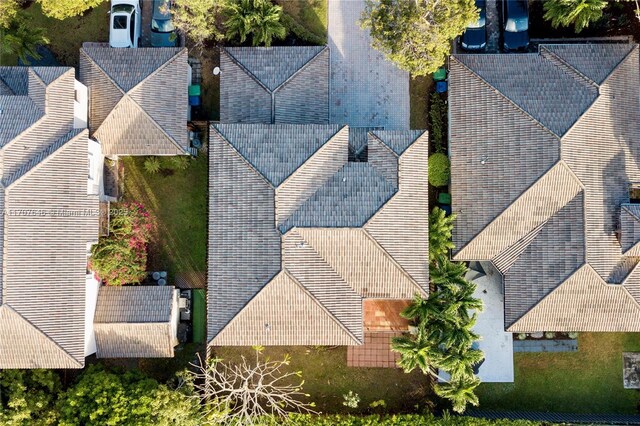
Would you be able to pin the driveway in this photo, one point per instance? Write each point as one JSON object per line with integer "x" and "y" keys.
{"x": 366, "y": 89}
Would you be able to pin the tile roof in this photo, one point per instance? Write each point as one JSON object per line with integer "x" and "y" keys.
{"x": 135, "y": 322}
{"x": 540, "y": 180}
{"x": 301, "y": 238}
{"x": 138, "y": 99}
{"x": 44, "y": 171}
{"x": 281, "y": 84}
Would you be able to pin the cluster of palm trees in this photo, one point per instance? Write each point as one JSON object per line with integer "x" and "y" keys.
{"x": 258, "y": 19}
{"x": 17, "y": 35}
{"x": 442, "y": 338}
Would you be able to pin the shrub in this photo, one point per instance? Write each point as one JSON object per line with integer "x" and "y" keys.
{"x": 300, "y": 31}
{"x": 579, "y": 13}
{"x": 152, "y": 165}
{"x": 550, "y": 335}
{"x": 401, "y": 420}
{"x": 521, "y": 336}
{"x": 438, "y": 119}
{"x": 178, "y": 162}
{"x": 572, "y": 335}
{"x": 438, "y": 169}
{"x": 121, "y": 258}
{"x": 351, "y": 399}
{"x": 259, "y": 19}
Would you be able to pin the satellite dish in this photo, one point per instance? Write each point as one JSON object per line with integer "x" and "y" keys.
{"x": 216, "y": 70}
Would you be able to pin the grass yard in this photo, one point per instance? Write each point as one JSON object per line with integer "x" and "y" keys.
{"x": 311, "y": 14}
{"x": 327, "y": 378}
{"x": 66, "y": 36}
{"x": 419, "y": 91}
{"x": 587, "y": 381}
{"x": 179, "y": 202}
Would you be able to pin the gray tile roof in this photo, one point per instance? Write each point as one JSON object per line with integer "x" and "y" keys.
{"x": 283, "y": 84}
{"x": 138, "y": 99}
{"x": 20, "y": 108}
{"x": 135, "y": 322}
{"x": 303, "y": 282}
{"x": 44, "y": 275}
{"x": 272, "y": 66}
{"x": 279, "y": 150}
{"x": 543, "y": 193}
{"x": 397, "y": 140}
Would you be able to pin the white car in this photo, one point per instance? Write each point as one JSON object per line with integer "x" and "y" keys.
{"x": 125, "y": 23}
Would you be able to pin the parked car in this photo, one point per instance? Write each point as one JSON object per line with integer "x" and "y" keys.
{"x": 163, "y": 32}
{"x": 515, "y": 20}
{"x": 475, "y": 36}
{"x": 125, "y": 23}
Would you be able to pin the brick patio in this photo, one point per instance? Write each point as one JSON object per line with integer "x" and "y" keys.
{"x": 376, "y": 351}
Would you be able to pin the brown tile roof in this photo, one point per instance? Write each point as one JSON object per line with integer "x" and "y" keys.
{"x": 296, "y": 252}
{"x": 542, "y": 156}
{"x": 138, "y": 99}
{"x": 135, "y": 322}
{"x": 48, "y": 221}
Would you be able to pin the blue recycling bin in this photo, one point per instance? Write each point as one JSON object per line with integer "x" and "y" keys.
{"x": 441, "y": 86}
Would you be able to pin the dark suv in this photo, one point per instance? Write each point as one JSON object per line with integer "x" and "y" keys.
{"x": 515, "y": 23}
{"x": 475, "y": 36}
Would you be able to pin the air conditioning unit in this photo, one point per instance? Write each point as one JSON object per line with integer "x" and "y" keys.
{"x": 183, "y": 303}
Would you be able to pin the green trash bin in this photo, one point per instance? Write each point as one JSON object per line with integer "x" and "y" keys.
{"x": 440, "y": 74}
{"x": 194, "y": 90}
{"x": 444, "y": 198}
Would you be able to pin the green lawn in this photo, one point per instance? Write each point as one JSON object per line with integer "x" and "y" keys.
{"x": 66, "y": 36}
{"x": 419, "y": 90}
{"x": 179, "y": 201}
{"x": 327, "y": 378}
{"x": 587, "y": 381}
{"x": 311, "y": 14}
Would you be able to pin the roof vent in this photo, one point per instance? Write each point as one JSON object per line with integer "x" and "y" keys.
{"x": 344, "y": 179}
{"x": 301, "y": 244}
{"x": 267, "y": 327}
{"x": 484, "y": 160}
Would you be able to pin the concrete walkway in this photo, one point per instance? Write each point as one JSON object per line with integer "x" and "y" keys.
{"x": 366, "y": 89}
{"x": 496, "y": 344}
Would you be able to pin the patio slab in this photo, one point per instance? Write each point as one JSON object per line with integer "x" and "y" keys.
{"x": 366, "y": 89}
{"x": 375, "y": 352}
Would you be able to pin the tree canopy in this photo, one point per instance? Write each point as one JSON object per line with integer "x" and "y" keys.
{"x": 417, "y": 35}
{"x": 579, "y": 13}
{"x": 62, "y": 9}
{"x": 199, "y": 19}
{"x": 28, "y": 397}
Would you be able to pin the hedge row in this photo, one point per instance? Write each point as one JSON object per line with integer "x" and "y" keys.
{"x": 401, "y": 420}
{"x": 300, "y": 31}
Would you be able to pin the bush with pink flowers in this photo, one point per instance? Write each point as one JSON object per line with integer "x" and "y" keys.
{"x": 121, "y": 258}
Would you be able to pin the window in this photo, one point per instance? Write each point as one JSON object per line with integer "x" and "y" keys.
{"x": 162, "y": 26}
{"x": 132, "y": 27}
{"x": 120, "y": 22}
{"x": 634, "y": 193}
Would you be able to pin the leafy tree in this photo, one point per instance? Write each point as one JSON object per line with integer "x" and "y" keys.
{"x": 417, "y": 34}
{"x": 439, "y": 169}
{"x": 579, "y": 13}
{"x": 28, "y": 397}
{"x": 459, "y": 391}
{"x": 62, "y": 9}
{"x": 259, "y": 19}
{"x": 200, "y": 20}
{"x": 440, "y": 232}
{"x": 8, "y": 12}
{"x": 121, "y": 257}
{"x": 22, "y": 39}
{"x": 106, "y": 398}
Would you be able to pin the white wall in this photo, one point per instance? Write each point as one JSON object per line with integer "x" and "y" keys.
{"x": 80, "y": 106}
{"x": 91, "y": 300}
{"x": 175, "y": 317}
{"x": 95, "y": 185}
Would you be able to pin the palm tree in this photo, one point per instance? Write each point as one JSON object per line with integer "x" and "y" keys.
{"x": 440, "y": 231}
{"x": 458, "y": 335}
{"x": 416, "y": 352}
{"x": 447, "y": 275}
{"x": 460, "y": 362}
{"x": 460, "y": 392}
{"x": 22, "y": 40}
{"x": 580, "y": 13}
{"x": 259, "y": 19}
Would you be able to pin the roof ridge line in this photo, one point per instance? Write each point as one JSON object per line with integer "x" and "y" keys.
{"x": 116, "y": 85}
{"x": 246, "y": 70}
{"x": 313, "y": 154}
{"x": 157, "y": 70}
{"x": 153, "y": 121}
{"x": 40, "y": 158}
{"x": 392, "y": 259}
{"x": 560, "y": 162}
{"x": 38, "y": 330}
{"x": 502, "y": 95}
{"x": 567, "y": 65}
{"x": 242, "y": 157}
{"x": 299, "y": 70}
{"x": 317, "y": 302}
{"x": 622, "y": 61}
